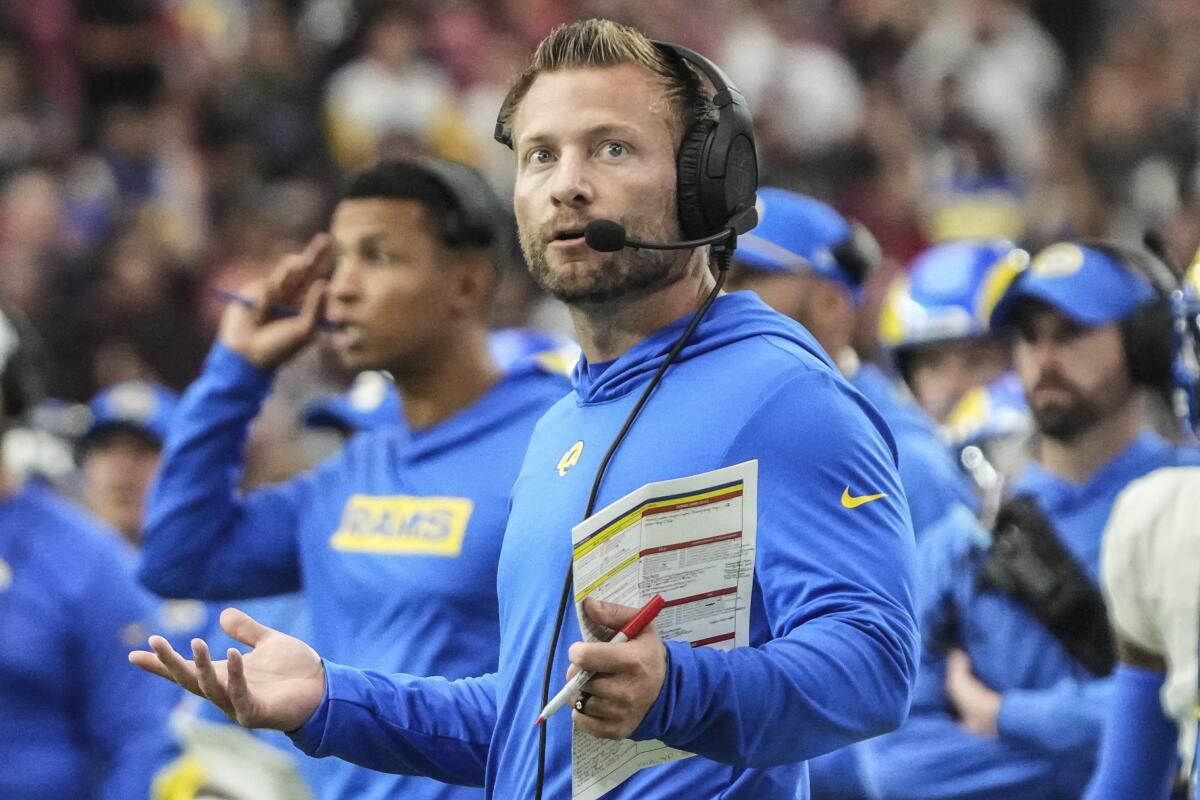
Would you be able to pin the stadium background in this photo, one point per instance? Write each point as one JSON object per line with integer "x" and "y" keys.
{"x": 151, "y": 150}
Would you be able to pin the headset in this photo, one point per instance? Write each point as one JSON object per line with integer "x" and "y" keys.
{"x": 1148, "y": 334}
{"x": 859, "y": 253}
{"x": 717, "y": 164}
{"x": 20, "y": 365}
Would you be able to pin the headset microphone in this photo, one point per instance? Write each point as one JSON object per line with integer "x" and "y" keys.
{"x": 607, "y": 236}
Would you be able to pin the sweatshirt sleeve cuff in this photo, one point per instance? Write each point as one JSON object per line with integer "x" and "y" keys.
{"x": 309, "y": 736}
{"x": 657, "y": 722}
{"x": 235, "y": 370}
{"x": 1018, "y": 712}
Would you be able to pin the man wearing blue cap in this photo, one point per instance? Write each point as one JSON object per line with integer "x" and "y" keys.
{"x": 120, "y": 451}
{"x": 806, "y": 261}
{"x": 119, "y": 456}
{"x": 1014, "y": 681}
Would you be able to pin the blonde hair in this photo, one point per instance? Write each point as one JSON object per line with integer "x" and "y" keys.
{"x": 604, "y": 43}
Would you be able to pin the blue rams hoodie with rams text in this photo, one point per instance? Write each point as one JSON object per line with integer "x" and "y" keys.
{"x": 394, "y": 541}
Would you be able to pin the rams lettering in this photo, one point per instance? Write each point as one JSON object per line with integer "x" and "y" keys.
{"x": 403, "y": 524}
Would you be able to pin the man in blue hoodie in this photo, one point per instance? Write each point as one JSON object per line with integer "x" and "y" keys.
{"x": 74, "y": 720}
{"x": 1004, "y": 707}
{"x": 393, "y": 541}
{"x": 596, "y": 122}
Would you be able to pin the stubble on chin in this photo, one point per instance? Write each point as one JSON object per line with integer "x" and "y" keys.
{"x": 596, "y": 281}
{"x": 1065, "y": 421}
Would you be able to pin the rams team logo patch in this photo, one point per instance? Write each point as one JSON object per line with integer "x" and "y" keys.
{"x": 1057, "y": 261}
{"x": 570, "y": 458}
{"x": 403, "y": 525}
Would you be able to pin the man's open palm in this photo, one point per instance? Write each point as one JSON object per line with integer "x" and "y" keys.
{"x": 279, "y": 684}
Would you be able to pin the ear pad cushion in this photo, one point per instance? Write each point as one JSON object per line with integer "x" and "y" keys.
{"x": 1149, "y": 340}
{"x": 689, "y": 180}
{"x": 21, "y": 379}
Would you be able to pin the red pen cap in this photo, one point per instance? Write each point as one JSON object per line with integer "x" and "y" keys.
{"x": 643, "y": 617}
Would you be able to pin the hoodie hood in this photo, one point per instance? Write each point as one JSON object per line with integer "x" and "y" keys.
{"x": 732, "y": 318}
{"x": 525, "y": 387}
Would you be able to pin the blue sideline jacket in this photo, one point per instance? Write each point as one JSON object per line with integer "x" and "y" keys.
{"x": 833, "y": 636}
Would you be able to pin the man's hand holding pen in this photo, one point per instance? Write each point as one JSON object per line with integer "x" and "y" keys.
{"x": 629, "y": 675}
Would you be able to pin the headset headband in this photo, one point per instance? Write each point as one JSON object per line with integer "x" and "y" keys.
{"x": 477, "y": 215}
{"x": 726, "y": 94}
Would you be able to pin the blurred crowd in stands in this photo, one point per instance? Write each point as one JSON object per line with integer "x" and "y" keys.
{"x": 152, "y": 150}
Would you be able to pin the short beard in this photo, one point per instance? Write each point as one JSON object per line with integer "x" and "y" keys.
{"x": 624, "y": 273}
{"x": 1066, "y": 422}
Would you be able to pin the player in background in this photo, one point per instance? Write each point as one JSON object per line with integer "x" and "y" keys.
{"x": 394, "y": 540}
{"x": 809, "y": 263}
{"x": 1015, "y": 671}
{"x": 76, "y": 722}
{"x": 934, "y": 320}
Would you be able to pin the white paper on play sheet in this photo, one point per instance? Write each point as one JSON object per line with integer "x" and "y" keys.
{"x": 692, "y": 540}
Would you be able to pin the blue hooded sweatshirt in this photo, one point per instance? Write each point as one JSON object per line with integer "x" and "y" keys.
{"x": 833, "y": 638}
{"x": 76, "y": 720}
{"x": 1051, "y": 717}
{"x": 394, "y": 541}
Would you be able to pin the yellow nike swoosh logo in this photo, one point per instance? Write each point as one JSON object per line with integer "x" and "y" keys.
{"x": 855, "y": 502}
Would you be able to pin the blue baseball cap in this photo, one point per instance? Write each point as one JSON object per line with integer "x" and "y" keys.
{"x": 795, "y": 234}
{"x": 371, "y": 403}
{"x": 140, "y": 406}
{"x": 1088, "y": 285}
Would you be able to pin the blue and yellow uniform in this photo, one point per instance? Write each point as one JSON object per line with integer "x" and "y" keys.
{"x": 76, "y": 720}
{"x": 1051, "y": 719}
{"x": 394, "y": 541}
{"x": 1050, "y": 722}
{"x": 832, "y": 631}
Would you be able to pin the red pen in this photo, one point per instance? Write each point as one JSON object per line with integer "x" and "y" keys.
{"x": 629, "y": 631}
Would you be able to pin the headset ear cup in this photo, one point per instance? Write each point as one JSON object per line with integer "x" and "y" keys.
{"x": 1148, "y": 337}
{"x": 690, "y": 180}
{"x": 21, "y": 381}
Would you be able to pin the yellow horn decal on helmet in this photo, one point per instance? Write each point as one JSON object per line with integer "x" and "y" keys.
{"x": 969, "y": 414}
{"x": 892, "y": 327}
{"x": 1192, "y": 276}
{"x": 998, "y": 279}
